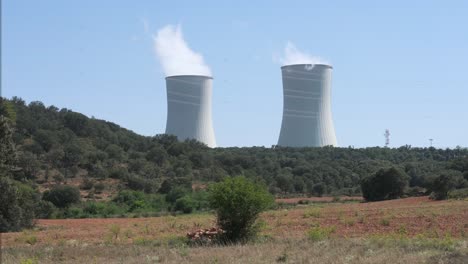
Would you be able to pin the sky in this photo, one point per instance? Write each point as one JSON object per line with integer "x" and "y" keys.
{"x": 397, "y": 65}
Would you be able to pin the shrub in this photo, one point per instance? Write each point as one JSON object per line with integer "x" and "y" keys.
{"x": 45, "y": 210}
{"x": 320, "y": 233}
{"x": 185, "y": 204}
{"x": 319, "y": 189}
{"x": 441, "y": 186}
{"x": 384, "y": 185}
{"x": 175, "y": 193}
{"x": 138, "y": 183}
{"x": 17, "y": 203}
{"x": 238, "y": 202}
{"x": 62, "y": 195}
{"x": 458, "y": 194}
{"x": 133, "y": 199}
{"x": 385, "y": 221}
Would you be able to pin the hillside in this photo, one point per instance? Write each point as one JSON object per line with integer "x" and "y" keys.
{"x": 62, "y": 146}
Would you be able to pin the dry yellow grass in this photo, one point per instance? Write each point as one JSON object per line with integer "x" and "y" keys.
{"x": 284, "y": 251}
{"x": 413, "y": 230}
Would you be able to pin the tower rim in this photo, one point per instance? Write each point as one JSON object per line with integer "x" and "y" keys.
{"x": 307, "y": 64}
{"x": 189, "y": 75}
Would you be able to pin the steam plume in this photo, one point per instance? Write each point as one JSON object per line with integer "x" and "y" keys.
{"x": 175, "y": 55}
{"x": 293, "y": 55}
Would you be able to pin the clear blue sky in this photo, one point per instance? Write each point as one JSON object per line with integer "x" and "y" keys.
{"x": 400, "y": 65}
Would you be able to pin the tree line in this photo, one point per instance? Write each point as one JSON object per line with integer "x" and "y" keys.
{"x": 52, "y": 145}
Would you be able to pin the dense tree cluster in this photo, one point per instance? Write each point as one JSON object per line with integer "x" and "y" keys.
{"x": 385, "y": 184}
{"x": 40, "y": 144}
{"x": 59, "y": 144}
{"x": 18, "y": 200}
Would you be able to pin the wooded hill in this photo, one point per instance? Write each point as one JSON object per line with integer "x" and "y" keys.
{"x": 59, "y": 145}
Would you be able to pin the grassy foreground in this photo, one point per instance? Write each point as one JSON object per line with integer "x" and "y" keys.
{"x": 412, "y": 230}
{"x": 358, "y": 250}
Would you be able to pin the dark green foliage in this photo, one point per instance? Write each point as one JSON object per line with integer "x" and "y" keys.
{"x": 63, "y": 144}
{"x": 166, "y": 187}
{"x": 458, "y": 194}
{"x": 185, "y": 204}
{"x": 238, "y": 202}
{"x": 62, "y": 195}
{"x": 176, "y": 193}
{"x": 45, "y": 210}
{"x": 138, "y": 183}
{"x": 17, "y": 205}
{"x": 76, "y": 122}
{"x": 318, "y": 189}
{"x": 7, "y": 147}
{"x": 441, "y": 186}
{"x": 133, "y": 199}
{"x": 10, "y": 211}
{"x": 17, "y": 200}
{"x": 384, "y": 185}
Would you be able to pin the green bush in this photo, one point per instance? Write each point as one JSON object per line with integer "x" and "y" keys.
{"x": 45, "y": 210}
{"x": 17, "y": 204}
{"x": 62, "y": 195}
{"x": 133, "y": 199}
{"x": 458, "y": 194}
{"x": 74, "y": 212}
{"x": 238, "y": 202}
{"x": 185, "y": 204}
{"x": 320, "y": 233}
{"x": 102, "y": 209}
{"x": 201, "y": 199}
{"x": 384, "y": 185}
{"x": 441, "y": 186}
{"x": 176, "y": 193}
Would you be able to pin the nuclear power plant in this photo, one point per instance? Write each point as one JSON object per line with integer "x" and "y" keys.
{"x": 189, "y": 108}
{"x": 307, "y": 118}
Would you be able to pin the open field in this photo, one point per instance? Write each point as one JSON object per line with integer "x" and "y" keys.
{"x": 414, "y": 229}
{"x": 317, "y": 199}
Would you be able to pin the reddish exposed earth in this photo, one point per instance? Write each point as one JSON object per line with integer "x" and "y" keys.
{"x": 410, "y": 216}
{"x": 296, "y": 200}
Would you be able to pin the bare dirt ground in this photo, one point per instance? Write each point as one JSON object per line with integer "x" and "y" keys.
{"x": 317, "y": 199}
{"x": 410, "y": 216}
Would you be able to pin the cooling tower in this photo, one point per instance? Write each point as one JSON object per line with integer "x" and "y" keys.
{"x": 307, "y": 118}
{"x": 189, "y": 108}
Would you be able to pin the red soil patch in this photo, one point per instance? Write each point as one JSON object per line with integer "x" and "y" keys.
{"x": 317, "y": 199}
{"x": 410, "y": 216}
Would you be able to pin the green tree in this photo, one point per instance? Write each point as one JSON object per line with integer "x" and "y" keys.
{"x": 238, "y": 202}
{"x": 17, "y": 205}
{"x": 62, "y": 195}
{"x": 17, "y": 200}
{"x": 10, "y": 211}
{"x": 185, "y": 204}
{"x": 319, "y": 189}
{"x": 7, "y": 147}
{"x": 441, "y": 185}
{"x": 384, "y": 185}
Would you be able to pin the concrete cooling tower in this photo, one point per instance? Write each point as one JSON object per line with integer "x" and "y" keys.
{"x": 189, "y": 108}
{"x": 307, "y": 118}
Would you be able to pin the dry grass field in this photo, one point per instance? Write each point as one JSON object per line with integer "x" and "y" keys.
{"x": 412, "y": 230}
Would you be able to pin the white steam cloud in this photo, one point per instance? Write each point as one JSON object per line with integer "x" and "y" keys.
{"x": 293, "y": 55}
{"x": 175, "y": 55}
